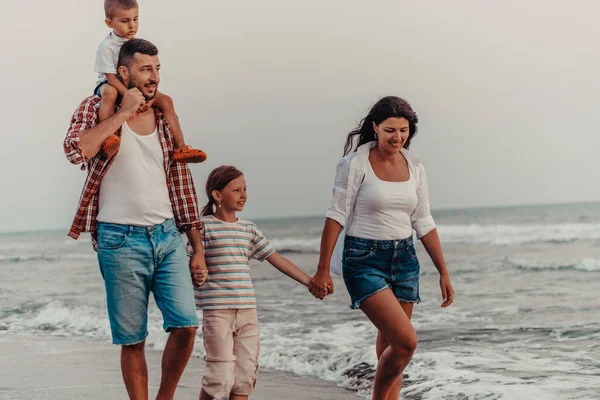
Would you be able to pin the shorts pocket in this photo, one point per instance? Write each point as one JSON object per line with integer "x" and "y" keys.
{"x": 412, "y": 252}
{"x": 355, "y": 254}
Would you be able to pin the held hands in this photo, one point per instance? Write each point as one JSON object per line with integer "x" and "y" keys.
{"x": 321, "y": 285}
{"x": 198, "y": 270}
{"x": 133, "y": 101}
{"x": 447, "y": 290}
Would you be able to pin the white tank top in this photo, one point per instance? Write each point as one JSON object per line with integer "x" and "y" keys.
{"x": 134, "y": 190}
{"x": 382, "y": 210}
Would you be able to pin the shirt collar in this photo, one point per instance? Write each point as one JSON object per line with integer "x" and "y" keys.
{"x": 117, "y": 39}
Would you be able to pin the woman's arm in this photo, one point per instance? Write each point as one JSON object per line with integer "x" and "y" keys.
{"x": 431, "y": 242}
{"x": 335, "y": 219}
{"x": 321, "y": 283}
{"x": 424, "y": 226}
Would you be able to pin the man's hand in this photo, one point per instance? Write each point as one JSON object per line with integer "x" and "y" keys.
{"x": 321, "y": 284}
{"x": 198, "y": 270}
{"x": 132, "y": 101}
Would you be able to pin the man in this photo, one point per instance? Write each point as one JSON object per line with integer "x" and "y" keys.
{"x": 135, "y": 205}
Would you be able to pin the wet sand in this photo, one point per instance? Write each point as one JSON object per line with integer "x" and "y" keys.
{"x": 35, "y": 368}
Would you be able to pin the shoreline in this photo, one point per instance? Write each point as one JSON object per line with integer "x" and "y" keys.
{"x": 37, "y": 367}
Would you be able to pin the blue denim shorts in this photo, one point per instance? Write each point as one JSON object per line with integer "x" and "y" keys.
{"x": 135, "y": 261}
{"x": 369, "y": 266}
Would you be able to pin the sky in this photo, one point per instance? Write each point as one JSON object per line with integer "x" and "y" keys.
{"x": 506, "y": 94}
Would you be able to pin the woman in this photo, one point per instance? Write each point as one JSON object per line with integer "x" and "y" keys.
{"x": 380, "y": 195}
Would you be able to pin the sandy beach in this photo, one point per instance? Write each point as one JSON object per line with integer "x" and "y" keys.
{"x": 36, "y": 368}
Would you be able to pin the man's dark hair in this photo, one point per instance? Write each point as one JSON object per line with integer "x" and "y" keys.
{"x": 111, "y": 5}
{"x": 133, "y": 46}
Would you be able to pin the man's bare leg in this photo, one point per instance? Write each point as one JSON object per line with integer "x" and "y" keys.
{"x": 135, "y": 371}
{"x": 175, "y": 358}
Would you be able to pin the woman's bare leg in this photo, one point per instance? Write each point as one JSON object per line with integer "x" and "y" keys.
{"x": 388, "y": 316}
{"x": 381, "y": 344}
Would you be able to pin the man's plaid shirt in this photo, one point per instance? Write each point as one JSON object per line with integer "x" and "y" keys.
{"x": 179, "y": 178}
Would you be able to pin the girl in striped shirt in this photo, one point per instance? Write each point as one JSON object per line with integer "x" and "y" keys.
{"x": 226, "y": 298}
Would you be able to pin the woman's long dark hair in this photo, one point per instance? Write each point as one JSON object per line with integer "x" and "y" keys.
{"x": 387, "y": 107}
{"x": 217, "y": 180}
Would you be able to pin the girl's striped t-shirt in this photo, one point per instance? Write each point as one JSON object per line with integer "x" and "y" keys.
{"x": 228, "y": 249}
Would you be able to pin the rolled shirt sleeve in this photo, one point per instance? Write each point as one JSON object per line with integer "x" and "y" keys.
{"x": 337, "y": 210}
{"x": 83, "y": 118}
{"x": 421, "y": 219}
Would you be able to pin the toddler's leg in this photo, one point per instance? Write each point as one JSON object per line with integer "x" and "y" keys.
{"x": 181, "y": 152}
{"x": 166, "y": 105}
{"x": 107, "y": 109}
{"x": 109, "y": 98}
{"x": 246, "y": 348}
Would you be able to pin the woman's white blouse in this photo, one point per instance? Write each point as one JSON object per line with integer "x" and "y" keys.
{"x": 351, "y": 171}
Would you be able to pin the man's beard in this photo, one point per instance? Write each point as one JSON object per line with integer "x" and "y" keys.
{"x": 134, "y": 84}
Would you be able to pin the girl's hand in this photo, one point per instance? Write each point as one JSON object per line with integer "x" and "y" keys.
{"x": 326, "y": 292}
{"x": 321, "y": 285}
{"x": 447, "y": 290}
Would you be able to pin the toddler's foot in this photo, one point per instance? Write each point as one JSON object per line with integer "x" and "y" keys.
{"x": 111, "y": 146}
{"x": 188, "y": 155}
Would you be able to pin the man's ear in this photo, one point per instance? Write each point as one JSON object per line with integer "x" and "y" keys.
{"x": 108, "y": 23}
{"x": 123, "y": 72}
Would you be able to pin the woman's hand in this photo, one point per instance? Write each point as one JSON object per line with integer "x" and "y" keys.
{"x": 447, "y": 290}
{"x": 321, "y": 284}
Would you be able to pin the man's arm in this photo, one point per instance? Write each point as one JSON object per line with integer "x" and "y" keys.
{"x": 198, "y": 269}
{"x": 91, "y": 139}
{"x": 183, "y": 196}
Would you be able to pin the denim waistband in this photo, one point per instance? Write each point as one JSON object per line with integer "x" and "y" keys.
{"x": 381, "y": 244}
{"x": 166, "y": 226}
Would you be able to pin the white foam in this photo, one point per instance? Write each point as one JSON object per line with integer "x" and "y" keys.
{"x": 517, "y": 234}
{"x": 18, "y": 258}
{"x": 56, "y": 318}
{"x": 293, "y": 244}
{"x": 586, "y": 264}
{"x": 499, "y": 235}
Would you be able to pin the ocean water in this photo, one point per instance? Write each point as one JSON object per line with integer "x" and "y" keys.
{"x": 525, "y": 323}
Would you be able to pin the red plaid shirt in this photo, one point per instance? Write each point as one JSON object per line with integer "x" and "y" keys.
{"x": 179, "y": 178}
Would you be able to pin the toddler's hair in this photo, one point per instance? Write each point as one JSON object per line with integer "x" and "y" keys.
{"x": 111, "y": 5}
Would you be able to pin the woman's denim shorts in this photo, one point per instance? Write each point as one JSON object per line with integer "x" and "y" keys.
{"x": 370, "y": 266}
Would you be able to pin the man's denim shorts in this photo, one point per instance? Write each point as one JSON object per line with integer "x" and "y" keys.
{"x": 135, "y": 261}
{"x": 370, "y": 266}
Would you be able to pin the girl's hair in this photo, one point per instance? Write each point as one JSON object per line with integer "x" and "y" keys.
{"x": 217, "y": 180}
{"x": 387, "y": 107}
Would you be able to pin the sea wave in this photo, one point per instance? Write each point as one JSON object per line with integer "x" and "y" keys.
{"x": 19, "y": 258}
{"x": 340, "y": 353}
{"x": 296, "y": 244}
{"x": 56, "y": 317}
{"x": 586, "y": 264}
{"x": 343, "y": 353}
{"x": 498, "y": 235}
{"x": 517, "y": 234}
